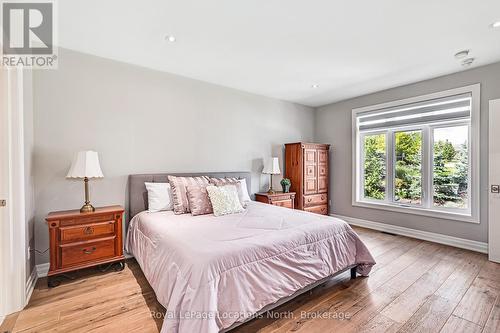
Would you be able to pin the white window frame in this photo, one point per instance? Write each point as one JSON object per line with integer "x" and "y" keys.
{"x": 470, "y": 215}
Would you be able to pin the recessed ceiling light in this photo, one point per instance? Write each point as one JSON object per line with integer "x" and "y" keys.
{"x": 467, "y": 62}
{"x": 462, "y": 54}
{"x": 495, "y": 24}
{"x": 315, "y": 86}
{"x": 170, "y": 38}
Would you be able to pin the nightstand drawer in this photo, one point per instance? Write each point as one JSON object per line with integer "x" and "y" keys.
{"x": 72, "y": 254}
{"x": 277, "y": 199}
{"x": 87, "y": 231}
{"x": 323, "y": 209}
{"x": 85, "y": 220}
{"x": 315, "y": 200}
{"x": 283, "y": 203}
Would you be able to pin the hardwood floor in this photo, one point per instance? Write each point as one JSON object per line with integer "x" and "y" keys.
{"x": 416, "y": 286}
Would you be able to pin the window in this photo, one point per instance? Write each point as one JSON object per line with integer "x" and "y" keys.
{"x": 408, "y": 167}
{"x": 450, "y": 173}
{"x": 374, "y": 166}
{"x": 419, "y": 155}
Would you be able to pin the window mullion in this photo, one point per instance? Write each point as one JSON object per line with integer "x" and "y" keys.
{"x": 427, "y": 161}
{"x": 390, "y": 166}
{"x": 361, "y": 167}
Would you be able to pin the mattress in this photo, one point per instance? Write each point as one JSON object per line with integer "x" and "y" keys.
{"x": 211, "y": 272}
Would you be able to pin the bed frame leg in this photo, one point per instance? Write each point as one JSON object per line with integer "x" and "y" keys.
{"x": 353, "y": 272}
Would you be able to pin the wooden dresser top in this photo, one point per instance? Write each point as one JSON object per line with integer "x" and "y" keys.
{"x": 275, "y": 194}
{"x": 310, "y": 145}
{"x": 76, "y": 212}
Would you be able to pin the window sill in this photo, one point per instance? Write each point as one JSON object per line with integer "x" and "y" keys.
{"x": 418, "y": 211}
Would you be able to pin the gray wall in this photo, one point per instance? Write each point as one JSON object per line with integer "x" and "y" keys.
{"x": 333, "y": 125}
{"x": 141, "y": 121}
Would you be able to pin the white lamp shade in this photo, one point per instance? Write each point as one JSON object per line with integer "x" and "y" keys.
{"x": 272, "y": 166}
{"x": 85, "y": 164}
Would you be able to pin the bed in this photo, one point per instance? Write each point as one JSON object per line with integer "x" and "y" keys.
{"x": 214, "y": 273}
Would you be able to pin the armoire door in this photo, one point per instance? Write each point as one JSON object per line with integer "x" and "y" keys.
{"x": 310, "y": 171}
{"x": 322, "y": 171}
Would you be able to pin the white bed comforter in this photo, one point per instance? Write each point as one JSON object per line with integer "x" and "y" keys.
{"x": 210, "y": 272}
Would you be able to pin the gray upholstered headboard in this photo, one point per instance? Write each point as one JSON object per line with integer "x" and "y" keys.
{"x": 138, "y": 195}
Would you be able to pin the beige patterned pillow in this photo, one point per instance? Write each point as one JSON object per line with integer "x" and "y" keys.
{"x": 224, "y": 200}
{"x": 242, "y": 193}
{"x": 199, "y": 202}
{"x": 178, "y": 184}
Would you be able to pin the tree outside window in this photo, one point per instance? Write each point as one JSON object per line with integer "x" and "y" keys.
{"x": 451, "y": 167}
{"x": 408, "y": 168}
{"x": 375, "y": 166}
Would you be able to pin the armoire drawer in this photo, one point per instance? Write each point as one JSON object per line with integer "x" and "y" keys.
{"x": 315, "y": 199}
{"x": 322, "y": 209}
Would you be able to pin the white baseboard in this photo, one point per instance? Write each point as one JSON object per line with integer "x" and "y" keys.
{"x": 42, "y": 269}
{"x": 413, "y": 233}
{"x": 494, "y": 259}
{"x": 30, "y": 284}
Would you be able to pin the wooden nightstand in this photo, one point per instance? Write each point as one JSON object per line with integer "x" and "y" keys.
{"x": 81, "y": 240}
{"x": 278, "y": 199}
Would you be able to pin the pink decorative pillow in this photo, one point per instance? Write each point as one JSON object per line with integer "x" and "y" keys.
{"x": 199, "y": 202}
{"x": 226, "y": 181}
{"x": 223, "y": 181}
{"x": 179, "y": 195}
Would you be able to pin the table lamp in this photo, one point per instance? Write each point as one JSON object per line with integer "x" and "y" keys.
{"x": 271, "y": 167}
{"x": 85, "y": 165}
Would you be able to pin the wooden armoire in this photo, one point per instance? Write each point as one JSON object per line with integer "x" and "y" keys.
{"x": 306, "y": 165}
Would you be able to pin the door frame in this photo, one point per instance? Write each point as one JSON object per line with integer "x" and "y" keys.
{"x": 493, "y": 179}
{"x": 13, "y": 251}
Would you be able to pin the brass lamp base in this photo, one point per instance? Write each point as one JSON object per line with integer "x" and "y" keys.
{"x": 271, "y": 191}
{"x": 87, "y": 208}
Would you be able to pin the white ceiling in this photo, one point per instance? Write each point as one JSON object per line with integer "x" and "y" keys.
{"x": 279, "y": 48}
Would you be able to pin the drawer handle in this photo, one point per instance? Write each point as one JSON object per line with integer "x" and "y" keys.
{"x": 309, "y": 200}
{"x": 92, "y": 250}
{"x": 322, "y": 198}
{"x": 88, "y": 231}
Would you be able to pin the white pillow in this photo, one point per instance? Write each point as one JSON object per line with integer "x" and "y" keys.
{"x": 159, "y": 197}
{"x": 243, "y": 191}
{"x": 224, "y": 199}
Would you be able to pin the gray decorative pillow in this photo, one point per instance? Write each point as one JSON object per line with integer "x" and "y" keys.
{"x": 199, "y": 202}
{"x": 224, "y": 200}
{"x": 178, "y": 184}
